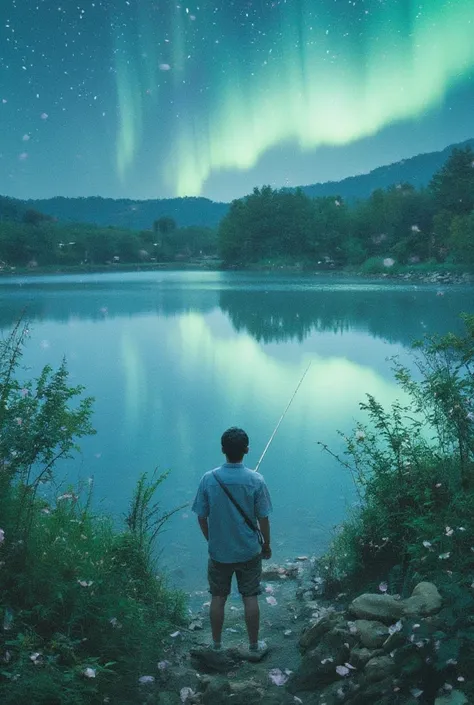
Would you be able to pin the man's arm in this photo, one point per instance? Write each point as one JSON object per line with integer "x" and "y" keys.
{"x": 264, "y": 524}
{"x": 203, "y": 525}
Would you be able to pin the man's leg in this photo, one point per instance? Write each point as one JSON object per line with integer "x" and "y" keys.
{"x": 252, "y": 619}
{"x": 216, "y": 613}
{"x": 220, "y": 579}
{"x": 248, "y": 579}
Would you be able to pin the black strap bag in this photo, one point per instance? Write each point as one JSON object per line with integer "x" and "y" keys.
{"x": 246, "y": 518}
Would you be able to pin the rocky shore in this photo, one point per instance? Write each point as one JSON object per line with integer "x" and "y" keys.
{"x": 377, "y": 648}
{"x": 440, "y": 278}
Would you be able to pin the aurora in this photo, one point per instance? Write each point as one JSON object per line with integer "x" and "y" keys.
{"x": 300, "y": 72}
{"x": 148, "y": 99}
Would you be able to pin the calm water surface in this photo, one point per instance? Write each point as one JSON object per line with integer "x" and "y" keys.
{"x": 174, "y": 358}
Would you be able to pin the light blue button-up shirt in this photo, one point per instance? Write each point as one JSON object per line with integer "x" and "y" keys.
{"x": 230, "y": 539}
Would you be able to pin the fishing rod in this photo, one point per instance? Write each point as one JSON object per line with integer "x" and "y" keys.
{"x": 281, "y": 418}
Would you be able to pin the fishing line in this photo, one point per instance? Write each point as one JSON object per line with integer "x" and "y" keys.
{"x": 281, "y": 418}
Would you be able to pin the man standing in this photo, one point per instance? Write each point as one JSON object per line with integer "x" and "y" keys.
{"x": 237, "y": 530}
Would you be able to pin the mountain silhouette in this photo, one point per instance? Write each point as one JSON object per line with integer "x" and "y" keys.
{"x": 140, "y": 215}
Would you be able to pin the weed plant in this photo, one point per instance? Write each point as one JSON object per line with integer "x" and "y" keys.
{"x": 83, "y": 613}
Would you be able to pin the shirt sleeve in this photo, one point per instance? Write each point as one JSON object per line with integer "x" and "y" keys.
{"x": 263, "y": 503}
{"x": 201, "y": 501}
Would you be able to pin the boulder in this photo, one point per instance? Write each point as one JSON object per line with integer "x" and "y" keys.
{"x": 383, "y": 608}
{"x": 425, "y": 600}
{"x": 360, "y": 656}
{"x": 217, "y": 692}
{"x": 318, "y": 665}
{"x": 311, "y": 636}
{"x": 276, "y": 572}
{"x": 455, "y": 697}
{"x": 394, "y": 641}
{"x": 210, "y": 661}
{"x": 372, "y": 634}
{"x": 379, "y": 668}
{"x": 168, "y": 697}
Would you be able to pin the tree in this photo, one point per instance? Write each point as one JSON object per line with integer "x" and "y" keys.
{"x": 462, "y": 239}
{"x": 164, "y": 226}
{"x": 453, "y": 186}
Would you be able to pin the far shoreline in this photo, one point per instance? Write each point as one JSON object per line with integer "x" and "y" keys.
{"x": 427, "y": 274}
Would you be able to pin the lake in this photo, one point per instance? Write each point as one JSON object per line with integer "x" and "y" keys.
{"x": 174, "y": 358}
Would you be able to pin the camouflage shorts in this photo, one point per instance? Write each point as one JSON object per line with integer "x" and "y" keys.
{"x": 248, "y": 576}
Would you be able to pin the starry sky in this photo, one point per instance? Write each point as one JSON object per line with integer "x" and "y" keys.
{"x": 161, "y": 98}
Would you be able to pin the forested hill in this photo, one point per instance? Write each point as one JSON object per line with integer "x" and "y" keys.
{"x": 140, "y": 215}
{"x": 134, "y": 215}
{"x": 416, "y": 171}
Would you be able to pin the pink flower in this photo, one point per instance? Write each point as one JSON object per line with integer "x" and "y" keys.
{"x": 383, "y": 587}
{"x": 271, "y": 601}
{"x": 342, "y": 670}
{"x": 90, "y": 672}
{"x": 2, "y": 536}
{"x": 277, "y": 676}
{"x": 145, "y": 680}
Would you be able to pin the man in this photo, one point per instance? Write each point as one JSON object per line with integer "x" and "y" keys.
{"x": 234, "y": 546}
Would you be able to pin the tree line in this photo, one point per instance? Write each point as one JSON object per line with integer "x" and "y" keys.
{"x": 397, "y": 225}
{"x": 400, "y": 224}
{"x": 30, "y": 238}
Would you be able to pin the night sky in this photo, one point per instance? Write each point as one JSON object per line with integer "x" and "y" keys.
{"x": 153, "y": 98}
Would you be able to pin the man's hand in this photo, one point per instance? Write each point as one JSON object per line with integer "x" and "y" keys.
{"x": 266, "y": 552}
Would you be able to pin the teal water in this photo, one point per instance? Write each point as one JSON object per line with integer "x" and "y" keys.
{"x": 174, "y": 358}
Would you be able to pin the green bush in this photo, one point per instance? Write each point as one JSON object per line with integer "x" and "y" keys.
{"x": 413, "y": 467}
{"x": 84, "y": 612}
{"x": 375, "y": 265}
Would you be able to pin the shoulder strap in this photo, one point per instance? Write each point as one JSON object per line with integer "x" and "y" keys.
{"x": 246, "y": 518}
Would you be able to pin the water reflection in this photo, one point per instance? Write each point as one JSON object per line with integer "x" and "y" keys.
{"x": 271, "y": 308}
{"x": 174, "y": 358}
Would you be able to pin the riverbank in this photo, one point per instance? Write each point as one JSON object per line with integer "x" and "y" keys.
{"x": 208, "y": 264}
{"x": 441, "y": 275}
{"x": 376, "y": 649}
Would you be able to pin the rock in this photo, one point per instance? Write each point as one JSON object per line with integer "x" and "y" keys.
{"x": 425, "y": 600}
{"x": 211, "y": 661}
{"x": 384, "y": 608}
{"x": 168, "y": 697}
{"x": 217, "y": 692}
{"x": 377, "y": 693}
{"x": 360, "y": 656}
{"x": 379, "y": 668}
{"x": 318, "y": 665}
{"x": 371, "y": 633}
{"x": 455, "y": 697}
{"x": 276, "y": 572}
{"x": 394, "y": 641}
{"x": 311, "y": 636}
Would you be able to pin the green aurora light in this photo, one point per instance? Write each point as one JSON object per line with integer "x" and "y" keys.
{"x": 304, "y": 72}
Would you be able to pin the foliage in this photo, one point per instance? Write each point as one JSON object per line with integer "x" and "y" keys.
{"x": 37, "y": 240}
{"x": 84, "y": 611}
{"x": 453, "y": 185}
{"x": 413, "y": 466}
{"x": 400, "y": 222}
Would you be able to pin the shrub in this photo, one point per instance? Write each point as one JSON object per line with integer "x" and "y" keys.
{"x": 84, "y": 611}
{"x": 413, "y": 467}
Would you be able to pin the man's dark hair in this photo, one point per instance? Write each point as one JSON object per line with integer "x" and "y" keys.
{"x": 234, "y": 444}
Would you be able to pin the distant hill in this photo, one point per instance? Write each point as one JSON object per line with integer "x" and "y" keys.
{"x": 416, "y": 170}
{"x": 140, "y": 215}
{"x": 136, "y": 215}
